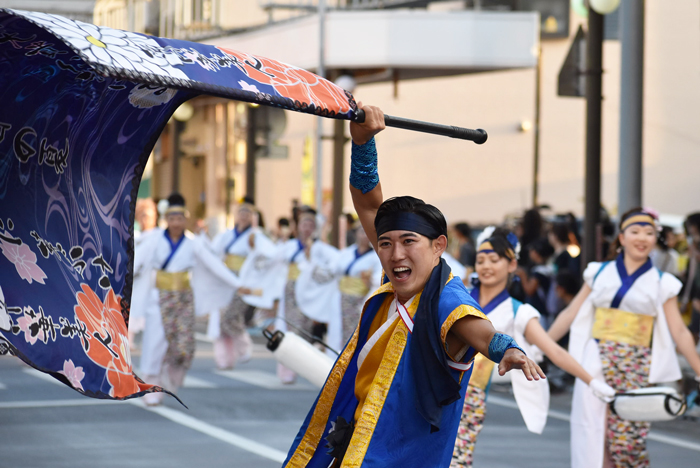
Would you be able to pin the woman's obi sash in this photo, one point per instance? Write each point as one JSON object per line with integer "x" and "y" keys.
{"x": 353, "y": 286}
{"x": 293, "y": 272}
{"x": 622, "y": 327}
{"x": 481, "y": 375}
{"x": 178, "y": 281}
{"x": 234, "y": 262}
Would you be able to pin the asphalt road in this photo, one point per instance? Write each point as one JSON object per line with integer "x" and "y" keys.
{"x": 244, "y": 418}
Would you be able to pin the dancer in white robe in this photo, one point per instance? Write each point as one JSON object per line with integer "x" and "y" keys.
{"x": 360, "y": 272}
{"x": 311, "y": 297}
{"x": 227, "y": 326}
{"x": 496, "y": 261}
{"x": 189, "y": 279}
{"x": 625, "y": 328}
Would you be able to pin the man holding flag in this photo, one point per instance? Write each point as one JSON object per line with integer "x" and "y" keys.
{"x": 409, "y": 360}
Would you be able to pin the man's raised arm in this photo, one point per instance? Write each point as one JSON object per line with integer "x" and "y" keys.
{"x": 365, "y": 188}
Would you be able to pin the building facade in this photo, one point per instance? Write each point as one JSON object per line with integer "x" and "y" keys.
{"x": 454, "y": 86}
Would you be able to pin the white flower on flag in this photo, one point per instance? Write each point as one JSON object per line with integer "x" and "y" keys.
{"x": 248, "y": 87}
{"x": 111, "y": 47}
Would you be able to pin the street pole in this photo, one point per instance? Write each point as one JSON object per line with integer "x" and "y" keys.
{"x": 178, "y": 128}
{"x": 339, "y": 140}
{"x": 536, "y": 151}
{"x": 250, "y": 158}
{"x": 594, "y": 70}
{"x": 631, "y": 104}
{"x": 319, "y": 124}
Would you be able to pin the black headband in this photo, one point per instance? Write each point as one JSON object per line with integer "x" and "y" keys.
{"x": 404, "y": 221}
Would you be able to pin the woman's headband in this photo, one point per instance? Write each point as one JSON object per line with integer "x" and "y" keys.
{"x": 642, "y": 219}
{"x": 176, "y": 209}
{"x": 486, "y": 247}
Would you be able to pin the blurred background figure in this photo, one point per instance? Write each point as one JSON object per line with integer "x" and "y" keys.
{"x": 232, "y": 342}
{"x": 664, "y": 256}
{"x": 360, "y": 273}
{"x": 690, "y": 295}
{"x": 145, "y": 215}
{"x": 466, "y": 252}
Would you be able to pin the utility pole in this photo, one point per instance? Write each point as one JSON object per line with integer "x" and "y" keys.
{"x": 594, "y": 98}
{"x": 536, "y": 150}
{"x": 339, "y": 180}
{"x": 631, "y": 104}
{"x": 251, "y": 153}
{"x": 319, "y": 128}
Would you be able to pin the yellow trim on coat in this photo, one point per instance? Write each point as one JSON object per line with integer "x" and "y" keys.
{"x": 378, "y": 391}
{"x": 376, "y": 396}
{"x": 319, "y": 419}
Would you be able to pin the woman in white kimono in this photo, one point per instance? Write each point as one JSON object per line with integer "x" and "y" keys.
{"x": 496, "y": 261}
{"x": 188, "y": 277}
{"x": 360, "y": 273}
{"x": 227, "y": 327}
{"x": 625, "y": 327}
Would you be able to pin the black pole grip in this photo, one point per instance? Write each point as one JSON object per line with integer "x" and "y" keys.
{"x": 478, "y": 136}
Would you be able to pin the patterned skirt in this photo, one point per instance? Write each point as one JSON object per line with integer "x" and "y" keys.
{"x": 177, "y": 310}
{"x": 293, "y": 313}
{"x": 626, "y": 367}
{"x": 233, "y": 317}
{"x": 352, "y": 309}
{"x": 470, "y": 424}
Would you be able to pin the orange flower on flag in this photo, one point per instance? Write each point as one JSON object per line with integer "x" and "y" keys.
{"x": 108, "y": 345}
{"x": 292, "y": 82}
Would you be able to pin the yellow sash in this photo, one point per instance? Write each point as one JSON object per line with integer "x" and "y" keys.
{"x": 234, "y": 262}
{"x": 481, "y": 375}
{"x": 293, "y": 272}
{"x": 179, "y": 281}
{"x": 622, "y": 326}
{"x": 368, "y": 372}
{"x": 353, "y": 286}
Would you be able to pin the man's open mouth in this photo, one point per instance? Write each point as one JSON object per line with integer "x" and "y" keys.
{"x": 402, "y": 273}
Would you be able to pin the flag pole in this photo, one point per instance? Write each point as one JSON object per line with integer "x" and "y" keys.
{"x": 478, "y": 136}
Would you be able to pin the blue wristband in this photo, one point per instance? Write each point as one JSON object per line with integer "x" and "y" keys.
{"x": 499, "y": 345}
{"x": 363, "y": 166}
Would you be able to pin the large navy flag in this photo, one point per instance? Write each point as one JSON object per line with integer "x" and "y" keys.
{"x": 82, "y": 107}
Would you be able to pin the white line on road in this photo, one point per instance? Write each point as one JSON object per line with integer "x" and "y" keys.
{"x": 3, "y": 386}
{"x": 215, "y": 432}
{"x": 40, "y": 375}
{"x": 262, "y": 379}
{"x": 56, "y": 403}
{"x": 171, "y": 414}
{"x": 194, "y": 382}
{"x": 190, "y": 381}
{"x": 664, "y": 439}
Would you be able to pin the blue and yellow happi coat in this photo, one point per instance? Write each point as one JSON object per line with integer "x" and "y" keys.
{"x": 389, "y": 430}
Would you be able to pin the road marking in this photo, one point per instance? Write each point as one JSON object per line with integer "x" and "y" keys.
{"x": 194, "y": 382}
{"x": 215, "y": 432}
{"x": 168, "y": 413}
{"x": 3, "y": 386}
{"x": 190, "y": 381}
{"x": 262, "y": 379}
{"x": 202, "y": 337}
{"x": 85, "y": 401}
{"x": 656, "y": 436}
{"x": 40, "y": 375}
